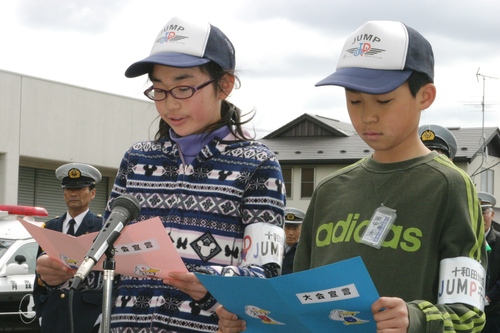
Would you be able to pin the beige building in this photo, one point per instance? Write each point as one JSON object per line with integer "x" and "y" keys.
{"x": 311, "y": 147}
{"x": 44, "y": 124}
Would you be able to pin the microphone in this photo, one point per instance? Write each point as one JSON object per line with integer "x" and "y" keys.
{"x": 125, "y": 208}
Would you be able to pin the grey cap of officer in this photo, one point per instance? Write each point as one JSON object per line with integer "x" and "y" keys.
{"x": 294, "y": 216}
{"x": 486, "y": 199}
{"x": 78, "y": 175}
{"x": 438, "y": 137}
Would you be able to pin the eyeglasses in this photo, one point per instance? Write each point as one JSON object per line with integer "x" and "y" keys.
{"x": 179, "y": 92}
{"x": 486, "y": 210}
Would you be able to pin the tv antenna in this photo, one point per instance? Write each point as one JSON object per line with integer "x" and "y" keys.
{"x": 482, "y": 101}
{"x": 484, "y": 86}
{"x": 482, "y": 142}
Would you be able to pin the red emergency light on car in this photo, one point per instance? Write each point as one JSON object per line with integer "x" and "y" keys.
{"x": 24, "y": 210}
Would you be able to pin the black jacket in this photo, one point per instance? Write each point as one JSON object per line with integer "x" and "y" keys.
{"x": 288, "y": 260}
{"x": 493, "y": 274}
{"x": 53, "y": 305}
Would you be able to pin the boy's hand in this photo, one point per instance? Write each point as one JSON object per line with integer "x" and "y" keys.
{"x": 229, "y": 322}
{"x": 391, "y": 315}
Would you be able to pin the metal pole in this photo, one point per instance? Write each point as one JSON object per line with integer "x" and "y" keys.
{"x": 107, "y": 296}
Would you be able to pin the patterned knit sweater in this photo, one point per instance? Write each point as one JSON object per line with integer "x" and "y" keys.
{"x": 205, "y": 207}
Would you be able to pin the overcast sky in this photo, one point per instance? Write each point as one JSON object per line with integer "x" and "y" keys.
{"x": 283, "y": 47}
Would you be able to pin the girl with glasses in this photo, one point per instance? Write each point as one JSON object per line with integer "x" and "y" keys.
{"x": 203, "y": 175}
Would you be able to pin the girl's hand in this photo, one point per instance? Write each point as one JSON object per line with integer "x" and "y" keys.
{"x": 188, "y": 283}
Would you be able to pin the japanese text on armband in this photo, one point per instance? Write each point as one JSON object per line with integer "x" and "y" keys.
{"x": 461, "y": 280}
{"x": 263, "y": 243}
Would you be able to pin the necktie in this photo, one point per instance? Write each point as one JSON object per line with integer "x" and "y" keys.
{"x": 71, "y": 230}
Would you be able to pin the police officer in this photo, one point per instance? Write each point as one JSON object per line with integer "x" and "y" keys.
{"x": 492, "y": 309}
{"x": 293, "y": 225}
{"x": 438, "y": 138}
{"x": 51, "y": 301}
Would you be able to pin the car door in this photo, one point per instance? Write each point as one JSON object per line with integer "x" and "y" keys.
{"x": 17, "y": 274}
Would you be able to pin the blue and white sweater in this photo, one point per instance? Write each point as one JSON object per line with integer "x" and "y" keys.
{"x": 205, "y": 207}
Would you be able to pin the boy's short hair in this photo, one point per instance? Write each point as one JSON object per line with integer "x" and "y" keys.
{"x": 380, "y": 56}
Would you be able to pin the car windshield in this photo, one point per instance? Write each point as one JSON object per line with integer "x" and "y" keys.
{"x": 4, "y": 246}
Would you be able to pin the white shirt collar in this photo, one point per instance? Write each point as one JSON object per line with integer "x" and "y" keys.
{"x": 78, "y": 220}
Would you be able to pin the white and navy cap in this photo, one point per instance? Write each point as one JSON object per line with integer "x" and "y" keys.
{"x": 380, "y": 56}
{"x": 294, "y": 215}
{"x": 438, "y": 137}
{"x": 183, "y": 43}
{"x": 78, "y": 175}
{"x": 486, "y": 199}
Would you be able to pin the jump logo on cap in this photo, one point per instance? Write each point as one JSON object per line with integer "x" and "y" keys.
{"x": 170, "y": 35}
{"x": 385, "y": 44}
{"x": 365, "y": 48}
{"x": 380, "y": 56}
{"x": 184, "y": 43}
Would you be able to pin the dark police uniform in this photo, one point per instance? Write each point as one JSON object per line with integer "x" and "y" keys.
{"x": 492, "y": 310}
{"x": 292, "y": 216}
{"x": 52, "y": 304}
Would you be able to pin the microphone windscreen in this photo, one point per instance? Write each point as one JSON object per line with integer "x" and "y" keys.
{"x": 130, "y": 203}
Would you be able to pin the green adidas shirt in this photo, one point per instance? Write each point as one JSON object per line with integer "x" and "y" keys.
{"x": 438, "y": 216}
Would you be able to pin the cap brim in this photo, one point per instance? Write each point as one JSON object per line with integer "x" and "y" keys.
{"x": 435, "y": 145}
{"x": 370, "y": 81}
{"x": 165, "y": 58}
{"x": 76, "y": 186}
{"x": 293, "y": 222}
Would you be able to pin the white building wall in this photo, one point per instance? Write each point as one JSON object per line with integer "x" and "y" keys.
{"x": 10, "y": 118}
{"x": 323, "y": 171}
{"x": 485, "y": 162}
{"x": 44, "y": 124}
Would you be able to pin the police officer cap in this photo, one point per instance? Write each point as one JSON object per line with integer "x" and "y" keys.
{"x": 294, "y": 215}
{"x": 486, "y": 199}
{"x": 438, "y": 137}
{"x": 77, "y": 175}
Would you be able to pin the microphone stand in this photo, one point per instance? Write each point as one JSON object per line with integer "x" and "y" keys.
{"x": 107, "y": 296}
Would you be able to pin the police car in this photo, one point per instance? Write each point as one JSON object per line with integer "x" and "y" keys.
{"x": 18, "y": 251}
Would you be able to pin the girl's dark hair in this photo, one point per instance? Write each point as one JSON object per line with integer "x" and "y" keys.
{"x": 231, "y": 115}
{"x": 416, "y": 81}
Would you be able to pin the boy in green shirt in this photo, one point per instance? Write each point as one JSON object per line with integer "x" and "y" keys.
{"x": 411, "y": 214}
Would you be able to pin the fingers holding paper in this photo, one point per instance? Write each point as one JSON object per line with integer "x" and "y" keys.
{"x": 229, "y": 322}
{"x": 188, "y": 283}
{"x": 391, "y": 314}
{"x": 52, "y": 271}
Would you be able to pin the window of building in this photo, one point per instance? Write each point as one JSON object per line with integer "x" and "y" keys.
{"x": 287, "y": 176}
{"x": 307, "y": 182}
{"x": 487, "y": 177}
